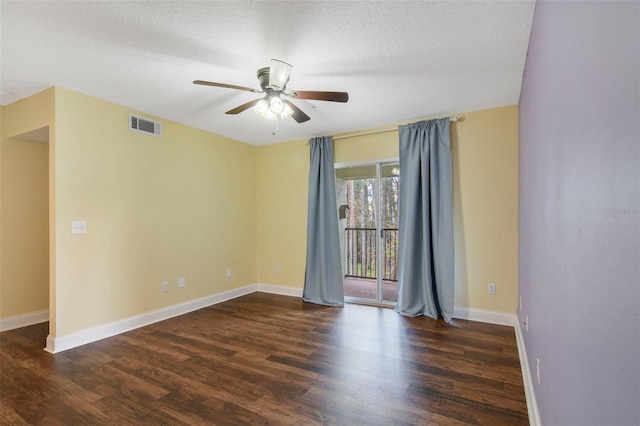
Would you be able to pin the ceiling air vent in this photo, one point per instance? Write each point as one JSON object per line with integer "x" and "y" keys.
{"x": 145, "y": 125}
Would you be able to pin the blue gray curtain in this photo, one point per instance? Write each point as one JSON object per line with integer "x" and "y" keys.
{"x": 323, "y": 275}
{"x": 425, "y": 253}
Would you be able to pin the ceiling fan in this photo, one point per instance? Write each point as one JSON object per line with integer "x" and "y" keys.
{"x": 274, "y": 105}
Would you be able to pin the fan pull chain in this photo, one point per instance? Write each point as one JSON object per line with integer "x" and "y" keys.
{"x": 276, "y": 126}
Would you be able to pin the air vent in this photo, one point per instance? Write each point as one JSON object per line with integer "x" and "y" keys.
{"x": 145, "y": 125}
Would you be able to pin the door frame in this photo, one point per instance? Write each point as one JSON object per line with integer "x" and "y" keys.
{"x": 379, "y": 245}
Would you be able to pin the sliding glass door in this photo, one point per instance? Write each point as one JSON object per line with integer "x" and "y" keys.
{"x": 368, "y": 211}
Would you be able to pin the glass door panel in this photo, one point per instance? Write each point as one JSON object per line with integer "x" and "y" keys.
{"x": 389, "y": 193}
{"x": 367, "y": 200}
{"x": 357, "y": 189}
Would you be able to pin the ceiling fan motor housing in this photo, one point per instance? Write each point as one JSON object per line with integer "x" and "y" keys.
{"x": 263, "y": 77}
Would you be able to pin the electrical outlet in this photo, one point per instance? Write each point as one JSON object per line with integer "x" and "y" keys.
{"x": 491, "y": 288}
{"x": 278, "y": 269}
{"x": 182, "y": 282}
{"x": 78, "y": 227}
{"x": 538, "y": 369}
{"x": 165, "y": 286}
{"x": 228, "y": 272}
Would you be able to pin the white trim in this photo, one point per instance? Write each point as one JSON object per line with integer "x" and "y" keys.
{"x": 58, "y": 344}
{"x": 529, "y": 392}
{"x": 502, "y": 318}
{"x": 280, "y": 289}
{"x": 24, "y": 320}
{"x": 481, "y": 315}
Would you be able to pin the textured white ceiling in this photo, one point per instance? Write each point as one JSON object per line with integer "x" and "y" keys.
{"x": 399, "y": 61}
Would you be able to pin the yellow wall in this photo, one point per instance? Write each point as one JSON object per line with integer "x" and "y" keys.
{"x": 2, "y": 108}
{"x": 485, "y": 180}
{"x": 25, "y": 228}
{"x": 24, "y": 207}
{"x": 192, "y": 204}
{"x": 282, "y": 191}
{"x": 485, "y": 197}
{"x": 29, "y": 114}
{"x": 156, "y": 209}
{"x": 381, "y": 146}
{"x": 2, "y": 137}
{"x": 282, "y": 188}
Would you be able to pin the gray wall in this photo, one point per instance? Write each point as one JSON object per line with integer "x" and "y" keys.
{"x": 579, "y": 211}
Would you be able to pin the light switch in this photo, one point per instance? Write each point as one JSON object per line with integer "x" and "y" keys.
{"x": 78, "y": 227}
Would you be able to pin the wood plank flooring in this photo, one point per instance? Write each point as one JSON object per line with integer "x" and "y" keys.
{"x": 269, "y": 359}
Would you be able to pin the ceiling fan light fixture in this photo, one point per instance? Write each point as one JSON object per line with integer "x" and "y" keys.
{"x": 261, "y": 107}
{"x": 272, "y": 108}
{"x": 276, "y": 105}
{"x": 286, "y": 112}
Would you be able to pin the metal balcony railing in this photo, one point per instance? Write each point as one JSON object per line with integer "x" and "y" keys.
{"x": 361, "y": 253}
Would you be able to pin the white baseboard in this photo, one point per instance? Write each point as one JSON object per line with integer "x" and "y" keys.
{"x": 62, "y": 343}
{"x": 280, "y": 289}
{"x": 501, "y": 318}
{"x": 24, "y": 320}
{"x": 529, "y": 391}
{"x": 481, "y": 315}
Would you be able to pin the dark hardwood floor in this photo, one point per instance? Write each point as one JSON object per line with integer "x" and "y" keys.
{"x": 268, "y": 359}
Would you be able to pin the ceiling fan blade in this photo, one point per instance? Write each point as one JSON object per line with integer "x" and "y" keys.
{"x": 297, "y": 115}
{"x": 321, "y": 96}
{"x": 243, "y": 107}
{"x": 227, "y": 86}
{"x": 279, "y": 74}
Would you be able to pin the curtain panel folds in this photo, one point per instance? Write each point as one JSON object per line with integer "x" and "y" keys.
{"x": 425, "y": 255}
{"x": 323, "y": 274}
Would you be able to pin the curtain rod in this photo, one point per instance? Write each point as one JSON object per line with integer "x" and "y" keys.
{"x": 377, "y": 132}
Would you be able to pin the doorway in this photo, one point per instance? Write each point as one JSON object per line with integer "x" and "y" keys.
{"x": 25, "y": 278}
{"x": 368, "y": 220}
